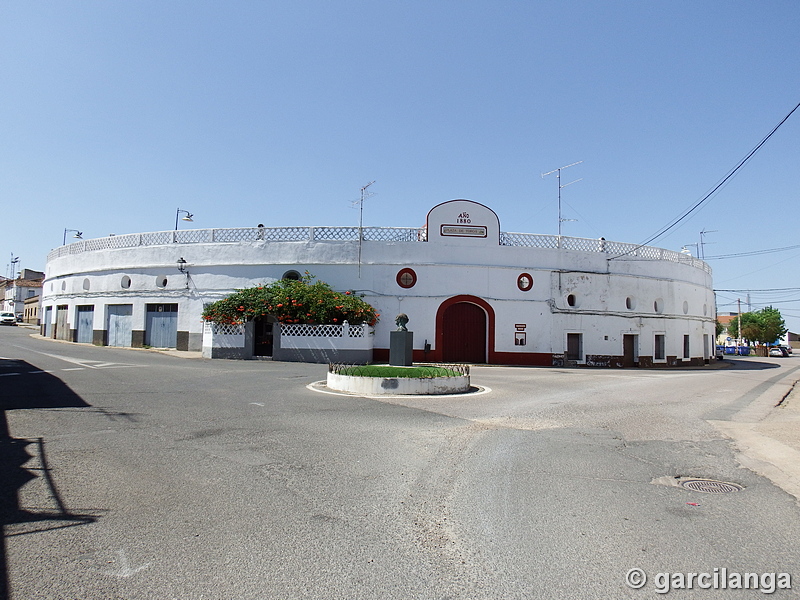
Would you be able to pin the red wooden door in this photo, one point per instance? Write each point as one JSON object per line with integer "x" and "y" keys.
{"x": 464, "y": 333}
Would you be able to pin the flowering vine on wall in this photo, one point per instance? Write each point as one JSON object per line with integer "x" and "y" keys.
{"x": 292, "y": 301}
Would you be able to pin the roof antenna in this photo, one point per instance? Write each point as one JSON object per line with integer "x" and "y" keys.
{"x": 364, "y": 195}
{"x": 560, "y": 187}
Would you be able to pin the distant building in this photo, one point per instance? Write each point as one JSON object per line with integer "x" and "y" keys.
{"x": 793, "y": 340}
{"x": 17, "y": 291}
{"x": 726, "y": 337}
{"x": 472, "y": 292}
{"x": 31, "y": 310}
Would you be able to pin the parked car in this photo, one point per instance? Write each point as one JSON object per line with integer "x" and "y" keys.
{"x": 8, "y": 318}
{"x": 778, "y": 351}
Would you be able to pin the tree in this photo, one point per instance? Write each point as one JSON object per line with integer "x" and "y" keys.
{"x": 292, "y": 301}
{"x": 773, "y": 325}
{"x": 765, "y": 326}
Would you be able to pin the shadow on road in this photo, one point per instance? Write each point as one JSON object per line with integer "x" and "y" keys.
{"x": 749, "y": 364}
{"x": 23, "y": 386}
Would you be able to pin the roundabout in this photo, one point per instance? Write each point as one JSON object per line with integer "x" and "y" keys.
{"x": 377, "y": 380}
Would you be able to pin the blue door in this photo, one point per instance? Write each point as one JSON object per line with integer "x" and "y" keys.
{"x": 48, "y": 321}
{"x": 120, "y": 318}
{"x": 162, "y": 326}
{"x": 85, "y": 324}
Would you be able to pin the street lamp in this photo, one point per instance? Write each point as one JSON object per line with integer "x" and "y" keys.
{"x": 188, "y": 217}
{"x": 182, "y": 265}
{"x": 78, "y": 235}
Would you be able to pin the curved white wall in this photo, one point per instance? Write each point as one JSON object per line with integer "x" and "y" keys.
{"x": 598, "y": 290}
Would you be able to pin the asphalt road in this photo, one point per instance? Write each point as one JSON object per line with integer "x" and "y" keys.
{"x": 139, "y": 475}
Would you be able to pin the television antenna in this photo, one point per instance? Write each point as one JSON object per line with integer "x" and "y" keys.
{"x": 364, "y": 195}
{"x": 13, "y": 266}
{"x": 700, "y": 247}
{"x": 560, "y": 187}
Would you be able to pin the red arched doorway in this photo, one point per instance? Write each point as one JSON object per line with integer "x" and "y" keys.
{"x": 462, "y": 325}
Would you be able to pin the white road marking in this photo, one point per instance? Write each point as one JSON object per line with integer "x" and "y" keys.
{"x": 87, "y": 364}
{"x": 125, "y": 569}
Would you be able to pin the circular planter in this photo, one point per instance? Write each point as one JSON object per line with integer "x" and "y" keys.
{"x": 405, "y": 386}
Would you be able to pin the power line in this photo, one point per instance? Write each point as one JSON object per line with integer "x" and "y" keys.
{"x": 752, "y": 253}
{"x": 721, "y": 183}
{"x": 742, "y": 291}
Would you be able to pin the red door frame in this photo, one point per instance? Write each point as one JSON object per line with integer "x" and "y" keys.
{"x": 437, "y": 353}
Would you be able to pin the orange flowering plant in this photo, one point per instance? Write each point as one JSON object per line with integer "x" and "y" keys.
{"x": 292, "y": 301}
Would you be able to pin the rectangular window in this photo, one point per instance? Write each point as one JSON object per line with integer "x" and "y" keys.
{"x": 686, "y": 353}
{"x": 575, "y": 346}
{"x": 659, "y": 352}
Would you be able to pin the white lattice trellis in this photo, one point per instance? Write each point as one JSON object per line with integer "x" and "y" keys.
{"x": 302, "y": 330}
{"x": 225, "y": 328}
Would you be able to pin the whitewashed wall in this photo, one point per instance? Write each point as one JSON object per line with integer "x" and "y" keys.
{"x": 445, "y": 266}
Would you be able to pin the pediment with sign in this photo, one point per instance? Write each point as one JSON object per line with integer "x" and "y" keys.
{"x": 463, "y": 222}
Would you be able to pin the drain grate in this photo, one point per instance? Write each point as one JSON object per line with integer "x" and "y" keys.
{"x": 710, "y": 486}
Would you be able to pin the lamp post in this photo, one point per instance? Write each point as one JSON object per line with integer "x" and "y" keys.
{"x": 184, "y": 269}
{"x": 78, "y": 235}
{"x": 188, "y": 217}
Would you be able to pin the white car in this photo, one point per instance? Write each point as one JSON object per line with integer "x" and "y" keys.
{"x": 8, "y": 318}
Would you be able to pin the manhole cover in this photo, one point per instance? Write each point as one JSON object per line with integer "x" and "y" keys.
{"x": 709, "y": 486}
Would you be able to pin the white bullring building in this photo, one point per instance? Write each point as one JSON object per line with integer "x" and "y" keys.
{"x": 472, "y": 292}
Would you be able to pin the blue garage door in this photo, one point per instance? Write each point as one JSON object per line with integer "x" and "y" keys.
{"x": 85, "y": 324}
{"x": 162, "y": 326}
{"x": 120, "y": 319}
{"x": 48, "y": 321}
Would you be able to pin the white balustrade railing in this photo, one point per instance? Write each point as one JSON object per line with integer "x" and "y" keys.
{"x": 369, "y": 234}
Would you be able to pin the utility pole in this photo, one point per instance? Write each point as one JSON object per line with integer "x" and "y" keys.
{"x": 560, "y": 187}
{"x": 739, "y": 325}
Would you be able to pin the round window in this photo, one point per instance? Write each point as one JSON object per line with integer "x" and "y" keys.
{"x": 292, "y": 275}
{"x": 86, "y": 284}
{"x": 126, "y": 282}
{"x": 658, "y": 305}
{"x": 685, "y": 307}
{"x": 406, "y": 278}
{"x": 572, "y": 300}
{"x": 161, "y": 281}
{"x": 525, "y": 282}
{"x": 630, "y": 303}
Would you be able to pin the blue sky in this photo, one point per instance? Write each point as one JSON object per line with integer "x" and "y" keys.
{"x": 115, "y": 114}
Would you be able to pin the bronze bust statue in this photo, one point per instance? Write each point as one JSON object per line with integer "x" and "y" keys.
{"x": 401, "y": 321}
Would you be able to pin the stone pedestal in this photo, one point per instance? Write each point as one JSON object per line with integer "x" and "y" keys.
{"x": 401, "y": 346}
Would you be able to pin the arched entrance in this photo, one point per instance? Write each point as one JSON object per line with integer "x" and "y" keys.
{"x": 462, "y": 326}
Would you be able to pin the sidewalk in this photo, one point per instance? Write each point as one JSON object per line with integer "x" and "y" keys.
{"x": 767, "y": 435}
{"x": 170, "y": 351}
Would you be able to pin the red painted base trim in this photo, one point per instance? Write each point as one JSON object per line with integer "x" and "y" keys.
{"x": 531, "y": 359}
{"x": 542, "y": 359}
